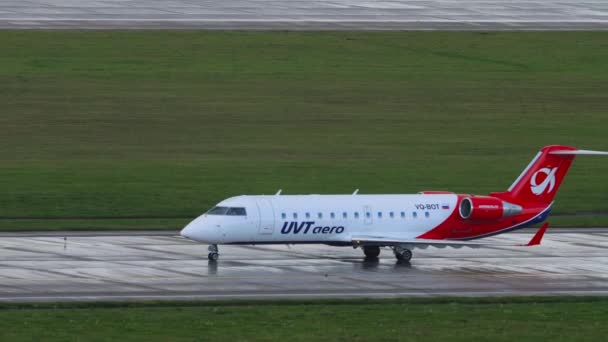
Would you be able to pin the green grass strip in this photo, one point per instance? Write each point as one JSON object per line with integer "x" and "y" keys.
{"x": 166, "y": 124}
{"x": 491, "y": 319}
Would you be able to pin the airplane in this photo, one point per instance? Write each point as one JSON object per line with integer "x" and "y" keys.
{"x": 401, "y": 222}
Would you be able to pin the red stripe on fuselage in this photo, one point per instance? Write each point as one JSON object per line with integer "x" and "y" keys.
{"x": 455, "y": 227}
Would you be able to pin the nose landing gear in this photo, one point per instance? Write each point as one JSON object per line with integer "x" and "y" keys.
{"x": 213, "y": 253}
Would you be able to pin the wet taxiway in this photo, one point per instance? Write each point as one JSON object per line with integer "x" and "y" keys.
{"x": 120, "y": 266}
{"x": 307, "y": 14}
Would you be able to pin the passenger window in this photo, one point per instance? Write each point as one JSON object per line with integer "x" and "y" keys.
{"x": 427, "y": 214}
{"x": 332, "y": 215}
{"x": 320, "y": 215}
{"x": 283, "y": 216}
{"x": 403, "y": 214}
{"x": 391, "y": 214}
{"x": 307, "y": 215}
{"x": 344, "y": 215}
{"x": 415, "y": 214}
{"x": 379, "y": 214}
{"x": 368, "y": 215}
{"x": 295, "y": 216}
{"x": 356, "y": 215}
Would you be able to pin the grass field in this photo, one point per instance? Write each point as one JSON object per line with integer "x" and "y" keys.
{"x": 554, "y": 319}
{"x": 165, "y": 124}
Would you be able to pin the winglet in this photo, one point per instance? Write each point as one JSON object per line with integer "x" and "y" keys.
{"x": 539, "y": 235}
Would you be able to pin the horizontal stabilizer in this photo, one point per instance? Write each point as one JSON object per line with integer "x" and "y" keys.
{"x": 580, "y": 152}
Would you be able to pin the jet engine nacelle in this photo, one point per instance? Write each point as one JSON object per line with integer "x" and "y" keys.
{"x": 486, "y": 208}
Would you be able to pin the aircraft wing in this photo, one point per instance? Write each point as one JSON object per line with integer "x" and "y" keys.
{"x": 420, "y": 243}
{"x": 374, "y": 240}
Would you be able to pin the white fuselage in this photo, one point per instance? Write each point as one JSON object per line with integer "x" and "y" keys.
{"x": 330, "y": 219}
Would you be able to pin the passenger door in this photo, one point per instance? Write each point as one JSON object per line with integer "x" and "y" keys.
{"x": 266, "y": 215}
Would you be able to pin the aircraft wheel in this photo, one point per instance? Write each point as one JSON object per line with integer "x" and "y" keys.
{"x": 404, "y": 255}
{"x": 213, "y": 256}
{"x": 213, "y": 252}
{"x": 371, "y": 252}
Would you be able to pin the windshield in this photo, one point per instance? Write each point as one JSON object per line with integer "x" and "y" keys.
{"x": 229, "y": 211}
{"x": 236, "y": 211}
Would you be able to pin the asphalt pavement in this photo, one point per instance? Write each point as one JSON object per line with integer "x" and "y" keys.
{"x": 306, "y": 14}
{"x": 67, "y": 266}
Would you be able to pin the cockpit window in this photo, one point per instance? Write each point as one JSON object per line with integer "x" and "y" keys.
{"x": 234, "y": 211}
{"x": 218, "y": 211}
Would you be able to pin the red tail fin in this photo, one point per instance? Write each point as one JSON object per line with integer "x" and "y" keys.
{"x": 539, "y": 182}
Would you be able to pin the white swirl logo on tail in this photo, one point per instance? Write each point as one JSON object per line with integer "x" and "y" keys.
{"x": 549, "y": 181}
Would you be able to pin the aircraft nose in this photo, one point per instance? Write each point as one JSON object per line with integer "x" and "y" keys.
{"x": 188, "y": 231}
{"x": 202, "y": 230}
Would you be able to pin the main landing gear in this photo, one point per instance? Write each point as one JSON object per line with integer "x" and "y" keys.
{"x": 402, "y": 254}
{"x": 213, "y": 253}
{"x": 371, "y": 252}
